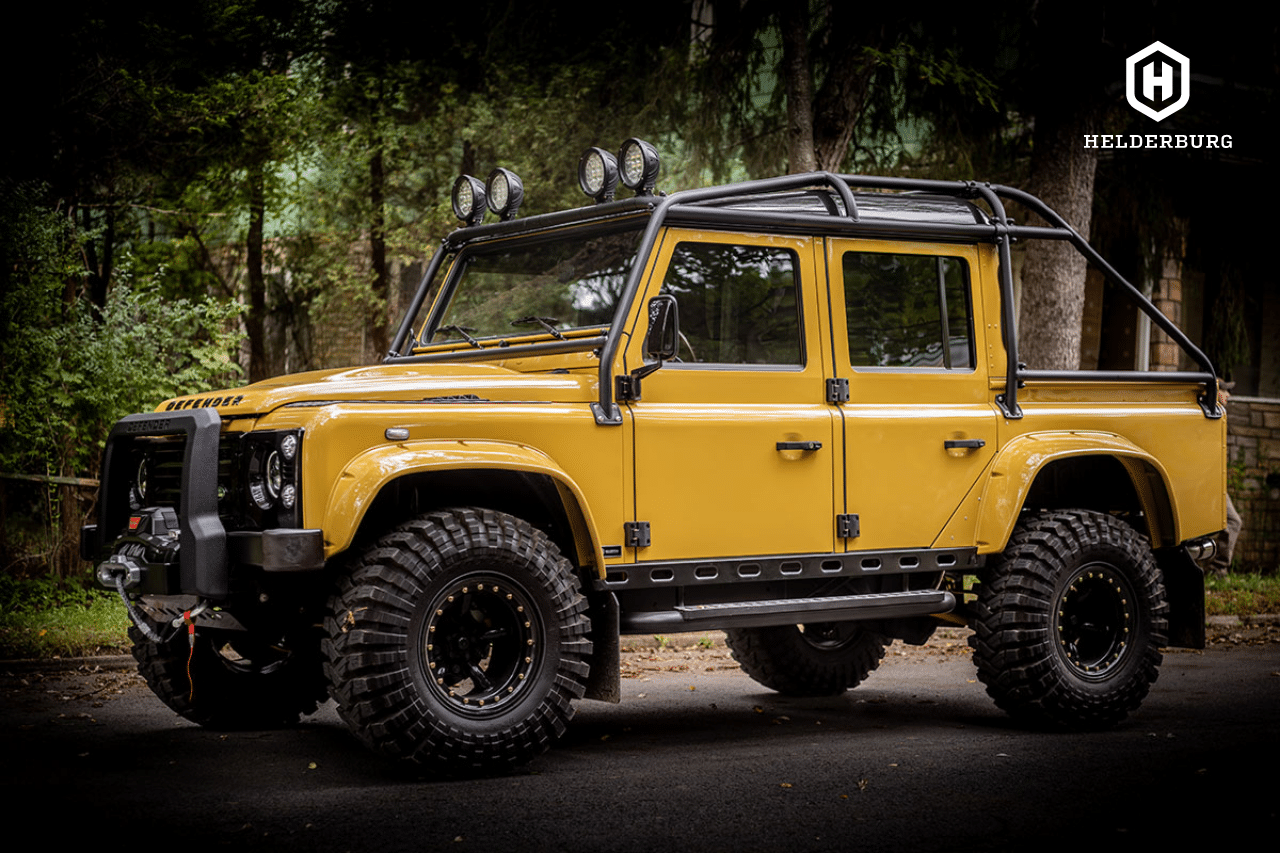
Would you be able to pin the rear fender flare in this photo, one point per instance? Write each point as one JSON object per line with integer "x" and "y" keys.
{"x": 1021, "y": 460}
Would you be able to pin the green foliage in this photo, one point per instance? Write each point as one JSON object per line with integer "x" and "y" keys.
{"x": 43, "y": 618}
{"x": 71, "y": 370}
{"x": 1242, "y": 594}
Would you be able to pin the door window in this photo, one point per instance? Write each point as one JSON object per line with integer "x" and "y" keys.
{"x": 908, "y": 311}
{"x": 738, "y": 304}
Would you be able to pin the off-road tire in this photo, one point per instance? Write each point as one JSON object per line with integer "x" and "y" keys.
{"x": 1070, "y": 621}
{"x": 458, "y": 642}
{"x": 235, "y": 682}
{"x": 811, "y": 660}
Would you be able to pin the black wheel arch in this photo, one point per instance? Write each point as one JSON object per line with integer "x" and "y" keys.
{"x": 1133, "y": 490}
{"x": 534, "y": 498}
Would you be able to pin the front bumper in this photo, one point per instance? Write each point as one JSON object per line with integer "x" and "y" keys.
{"x": 182, "y": 550}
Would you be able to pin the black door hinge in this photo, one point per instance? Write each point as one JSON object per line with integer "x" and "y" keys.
{"x": 837, "y": 390}
{"x": 847, "y": 526}
{"x": 628, "y": 388}
{"x": 636, "y": 534}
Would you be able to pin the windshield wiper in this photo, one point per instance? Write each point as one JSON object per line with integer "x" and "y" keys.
{"x": 545, "y": 322}
{"x": 461, "y": 330}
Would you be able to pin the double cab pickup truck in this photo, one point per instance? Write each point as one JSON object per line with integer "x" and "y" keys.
{"x": 790, "y": 409}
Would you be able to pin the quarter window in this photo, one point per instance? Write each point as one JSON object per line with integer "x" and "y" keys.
{"x": 908, "y": 311}
{"x": 738, "y": 304}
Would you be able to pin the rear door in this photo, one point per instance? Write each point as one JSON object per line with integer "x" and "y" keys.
{"x": 919, "y": 427}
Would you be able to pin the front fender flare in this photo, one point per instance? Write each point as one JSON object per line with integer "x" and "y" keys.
{"x": 367, "y": 474}
{"x": 1020, "y": 461}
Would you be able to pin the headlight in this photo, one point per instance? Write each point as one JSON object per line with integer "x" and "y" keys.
{"x": 598, "y": 174}
{"x": 272, "y": 472}
{"x": 138, "y": 494}
{"x": 638, "y": 162}
{"x": 469, "y": 200}
{"x": 506, "y": 192}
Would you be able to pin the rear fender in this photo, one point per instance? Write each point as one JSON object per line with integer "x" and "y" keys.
{"x": 1021, "y": 461}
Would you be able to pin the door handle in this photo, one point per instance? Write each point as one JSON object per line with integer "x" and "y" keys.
{"x": 963, "y": 443}
{"x": 799, "y": 445}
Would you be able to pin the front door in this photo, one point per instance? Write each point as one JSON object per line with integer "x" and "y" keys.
{"x": 735, "y": 446}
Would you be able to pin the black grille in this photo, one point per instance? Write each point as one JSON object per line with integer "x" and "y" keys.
{"x": 164, "y": 460}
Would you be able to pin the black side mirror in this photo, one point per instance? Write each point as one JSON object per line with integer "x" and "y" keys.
{"x": 661, "y": 343}
{"x": 663, "y": 340}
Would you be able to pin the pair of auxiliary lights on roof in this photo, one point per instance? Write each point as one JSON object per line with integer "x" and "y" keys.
{"x": 598, "y": 174}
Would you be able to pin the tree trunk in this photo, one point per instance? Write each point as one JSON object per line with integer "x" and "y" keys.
{"x": 255, "y": 319}
{"x": 799, "y": 87}
{"x": 843, "y": 96}
{"x": 1062, "y": 172}
{"x": 378, "y": 251}
{"x": 821, "y": 125}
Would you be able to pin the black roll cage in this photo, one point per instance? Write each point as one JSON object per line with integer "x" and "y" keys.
{"x": 696, "y": 206}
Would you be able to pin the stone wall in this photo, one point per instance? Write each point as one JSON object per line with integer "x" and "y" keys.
{"x": 1253, "y": 479}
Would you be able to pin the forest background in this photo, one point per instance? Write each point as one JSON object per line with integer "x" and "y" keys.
{"x": 202, "y": 194}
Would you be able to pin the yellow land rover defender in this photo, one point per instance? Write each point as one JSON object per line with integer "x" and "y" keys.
{"x": 790, "y": 409}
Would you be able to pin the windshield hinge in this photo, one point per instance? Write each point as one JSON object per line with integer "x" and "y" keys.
{"x": 847, "y": 526}
{"x": 636, "y": 534}
{"x": 837, "y": 390}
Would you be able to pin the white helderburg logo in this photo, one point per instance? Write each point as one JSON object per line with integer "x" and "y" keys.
{"x": 1157, "y": 81}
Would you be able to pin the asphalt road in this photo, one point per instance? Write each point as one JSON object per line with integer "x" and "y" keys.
{"x": 697, "y": 757}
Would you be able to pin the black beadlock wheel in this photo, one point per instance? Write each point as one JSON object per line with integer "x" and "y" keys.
{"x": 458, "y": 642}
{"x": 822, "y": 659}
{"x": 236, "y": 682}
{"x": 1070, "y": 621}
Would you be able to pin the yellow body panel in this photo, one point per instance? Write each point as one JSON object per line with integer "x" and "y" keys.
{"x": 697, "y": 455}
{"x": 365, "y": 475}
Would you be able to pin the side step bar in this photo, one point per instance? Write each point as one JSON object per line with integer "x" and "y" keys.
{"x": 790, "y": 611}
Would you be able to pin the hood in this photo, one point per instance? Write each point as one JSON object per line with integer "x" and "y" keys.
{"x": 393, "y": 383}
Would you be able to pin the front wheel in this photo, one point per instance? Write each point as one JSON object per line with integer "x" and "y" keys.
{"x": 1070, "y": 621}
{"x": 458, "y": 642}
{"x": 822, "y": 659}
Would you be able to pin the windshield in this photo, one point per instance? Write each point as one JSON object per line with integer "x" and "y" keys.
{"x": 539, "y": 289}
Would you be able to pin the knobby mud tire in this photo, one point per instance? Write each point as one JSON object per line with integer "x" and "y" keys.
{"x": 458, "y": 643}
{"x": 812, "y": 660}
{"x": 235, "y": 683}
{"x": 1070, "y": 621}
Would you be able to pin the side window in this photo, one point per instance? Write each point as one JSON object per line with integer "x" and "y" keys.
{"x": 738, "y": 304}
{"x": 908, "y": 311}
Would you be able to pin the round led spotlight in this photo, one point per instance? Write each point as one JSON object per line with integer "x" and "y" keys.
{"x": 469, "y": 200}
{"x": 506, "y": 192}
{"x": 638, "y": 163}
{"x": 598, "y": 174}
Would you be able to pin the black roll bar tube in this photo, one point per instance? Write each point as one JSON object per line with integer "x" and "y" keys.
{"x": 1062, "y": 230}
{"x": 606, "y": 411}
{"x": 406, "y": 325}
{"x": 1000, "y": 231}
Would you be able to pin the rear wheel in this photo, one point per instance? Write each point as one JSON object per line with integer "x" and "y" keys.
{"x": 822, "y": 659}
{"x": 1070, "y": 621}
{"x": 458, "y": 642}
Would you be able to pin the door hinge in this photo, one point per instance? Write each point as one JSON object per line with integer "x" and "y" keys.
{"x": 847, "y": 526}
{"x": 837, "y": 390}
{"x": 627, "y": 388}
{"x": 636, "y": 534}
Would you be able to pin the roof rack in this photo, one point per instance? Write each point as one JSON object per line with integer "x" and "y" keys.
{"x": 698, "y": 205}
